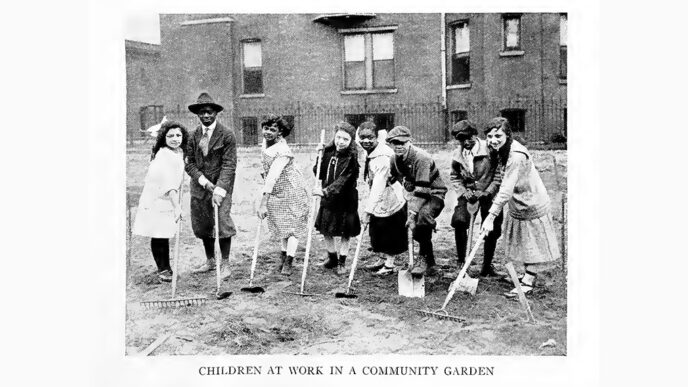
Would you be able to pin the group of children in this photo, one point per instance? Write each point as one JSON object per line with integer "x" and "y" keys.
{"x": 488, "y": 173}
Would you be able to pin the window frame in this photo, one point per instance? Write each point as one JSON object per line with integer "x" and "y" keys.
{"x": 519, "y": 33}
{"x": 455, "y": 56}
{"x": 368, "y": 61}
{"x": 514, "y": 128}
{"x": 458, "y": 115}
{"x": 563, "y": 48}
{"x": 256, "y": 127}
{"x": 244, "y": 92}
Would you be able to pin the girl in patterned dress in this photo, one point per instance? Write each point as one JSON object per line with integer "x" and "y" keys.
{"x": 338, "y": 214}
{"x": 285, "y": 196}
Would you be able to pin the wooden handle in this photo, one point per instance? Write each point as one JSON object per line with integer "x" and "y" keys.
{"x": 254, "y": 259}
{"x": 521, "y": 297}
{"x": 409, "y": 235}
{"x": 464, "y": 269}
{"x": 358, "y": 251}
{"x": 218, "y": 253}
{"x": 175, "y": 272}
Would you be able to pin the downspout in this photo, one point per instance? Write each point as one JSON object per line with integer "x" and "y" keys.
{"x": 443, "y": 61}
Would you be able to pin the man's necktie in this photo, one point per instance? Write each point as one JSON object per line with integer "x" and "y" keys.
{"x": 204, "y": 142}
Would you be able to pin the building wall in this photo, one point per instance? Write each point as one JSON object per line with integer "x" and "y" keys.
{"x": 530, "y": 81}
{"x": 143, "y": 79}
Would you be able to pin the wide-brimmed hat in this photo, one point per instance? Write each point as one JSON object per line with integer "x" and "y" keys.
{"x": 399, "y": 133}
{"x": 204, "y": 100}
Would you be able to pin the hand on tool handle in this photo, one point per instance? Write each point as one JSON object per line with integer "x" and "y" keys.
{"x": 488, "y": 224}
{"x": 263, "y": 208}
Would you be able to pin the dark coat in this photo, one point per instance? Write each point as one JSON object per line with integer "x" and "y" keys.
{"x": 220, "y": 168}
{"x": 419, "y": 174}
{"x": 339, "y": 185}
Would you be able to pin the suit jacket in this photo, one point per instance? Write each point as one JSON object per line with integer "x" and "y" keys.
{"x": 219, "y": 167}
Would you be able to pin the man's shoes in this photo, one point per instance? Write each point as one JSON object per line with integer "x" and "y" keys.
{"x": 165, "y": 276}
{"x": 419, "y": 267}
{"x": 384, "y": 271}
{"x": 377, "y": 265}
{"x": 208, "y": 265}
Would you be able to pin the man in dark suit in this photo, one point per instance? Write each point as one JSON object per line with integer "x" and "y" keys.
{"x": 211, "y": 163}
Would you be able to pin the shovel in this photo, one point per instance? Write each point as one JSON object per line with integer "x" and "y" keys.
{"x": 348, "y": 293}
{"x": 250, "y": 288}
{"x": 466, "y": 283}
{"x": 410, "y": 286}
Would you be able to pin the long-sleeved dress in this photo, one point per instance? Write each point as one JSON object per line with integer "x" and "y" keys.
{"x": 288, "y": 200}
{"x": 155, "y": 214}
{"x": 529, "y": 235}
{"x": 338, "y": 214}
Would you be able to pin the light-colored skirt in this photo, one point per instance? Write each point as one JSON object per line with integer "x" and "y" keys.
{"x": 532, "y": 241}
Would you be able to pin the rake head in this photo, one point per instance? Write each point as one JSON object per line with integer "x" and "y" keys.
{"x": 440, "y": 314}
{"x": 174, "y": 303}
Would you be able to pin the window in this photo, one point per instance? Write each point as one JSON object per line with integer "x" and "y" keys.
{"x": 150, "y": 115}
{"x": 563, "y": 50}
{"x": 381, "y": 120}
{"x": 290, "y": 124}
{"x": 458, "y": 115}
{"x": 512, "y": 32}
{"x": 516, "y": 118}
{"x": 253, "y": 67}
{"x": 460, "y": 64}
{"x": 369, "y": 61}
{"x": 249, "y": 130}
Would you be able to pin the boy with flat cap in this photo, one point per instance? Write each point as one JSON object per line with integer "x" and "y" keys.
{"x": 419, "y": 175}
{"x": 476, "y": 178}
{"x": 211, "y": 163}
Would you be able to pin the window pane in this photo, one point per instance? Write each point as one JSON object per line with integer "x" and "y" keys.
{"x": 253, "y": 81}
{"x": 354, "y": 48}
{"x": 563, "y": 30}
{"x": 462, "y": 38}
{"x": 562, "y": 61}
{"x": 461, "y": 69}
{"x": 383, "y": 73}
{"x": 355, "y": 75}
{"x": 249, "y": 129}
{"x": 516, "y": 118}
{"x": 252, "y": 55}
{"x": 511, "y": 32}
{"x": 383, "y": 46}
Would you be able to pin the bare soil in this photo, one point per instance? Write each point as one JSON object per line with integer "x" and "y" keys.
{"x": 379, "y": 321}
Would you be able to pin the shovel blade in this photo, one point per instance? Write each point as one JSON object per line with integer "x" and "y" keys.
{"x": 410, "y": 286}
{"x": 468, "y": 285}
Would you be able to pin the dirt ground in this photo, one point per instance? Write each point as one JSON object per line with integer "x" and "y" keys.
{"x": 379, "y": 321}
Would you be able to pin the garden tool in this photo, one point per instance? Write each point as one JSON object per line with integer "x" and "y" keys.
{"x": 175, "y": 302}
{"x": 409, "y": 285}
{"x": 311, "y": 220}
{"x": 251, "y": 288}
{"x": 521, "y": 296}
{"x": 348, "y": 293}
{"x": 442, "y": 312}
{"x": 218, "y": 258}
{"x": 468, "y": 284}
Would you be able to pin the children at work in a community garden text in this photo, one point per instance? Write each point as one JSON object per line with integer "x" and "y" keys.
{"x": 338, "y": 213}
{"x": 159, "y": 207}
{"x": 528, "y": 230}
{"x": 285, "y": 197}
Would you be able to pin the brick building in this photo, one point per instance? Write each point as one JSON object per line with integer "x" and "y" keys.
{"x": 144, "y": 84}
{"x": 419, "y": 70}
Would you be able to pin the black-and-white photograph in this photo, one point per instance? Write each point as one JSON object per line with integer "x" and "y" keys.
{"x": 346, "y": 184}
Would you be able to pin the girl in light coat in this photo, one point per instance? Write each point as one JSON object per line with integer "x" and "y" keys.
{"x": 159, "y": 207}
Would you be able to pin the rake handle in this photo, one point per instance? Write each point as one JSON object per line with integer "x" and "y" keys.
{"x": 521, "y": 296}
{"x": 311, "y": 215}
{"x": 176, "y": 247}
{"x": 254, "y": 259}
{"x": 464, "y": 269}
{"x": 218, "y": 253}
{"x": 355, "y": 262}
{"x": 473, "y": 211}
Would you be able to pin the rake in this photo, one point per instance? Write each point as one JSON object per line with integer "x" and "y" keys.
{"x": 310, "y": 224}
{"x": 442, "y": 313}
{"x": 348, "y": 293}
{"x": 175, "y": 302}
{"x": 218, "y": 257}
